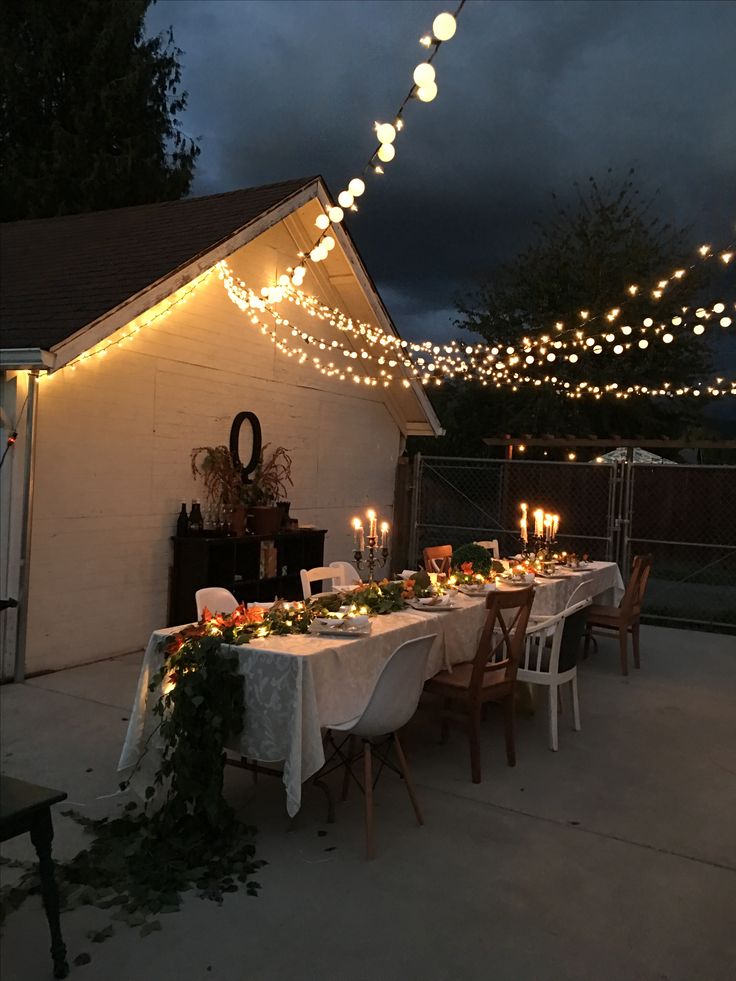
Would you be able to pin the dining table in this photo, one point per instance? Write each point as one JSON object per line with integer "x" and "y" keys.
{"x": 298, "y": 685}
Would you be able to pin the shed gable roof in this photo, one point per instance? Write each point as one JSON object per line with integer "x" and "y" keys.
{"x": 59, "y": 274}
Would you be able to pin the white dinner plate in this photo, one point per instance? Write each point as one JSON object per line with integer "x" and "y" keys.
{"x": 428, "y": 608}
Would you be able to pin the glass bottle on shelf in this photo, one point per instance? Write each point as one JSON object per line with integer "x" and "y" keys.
{"x": 196, "y": 522}
{"x": 182, "y": 522}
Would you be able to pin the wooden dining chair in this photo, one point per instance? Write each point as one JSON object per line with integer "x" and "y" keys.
{"x": 438, "y": 558}
{"x": 623, "y": 618}
{"x": 490, "y": 676}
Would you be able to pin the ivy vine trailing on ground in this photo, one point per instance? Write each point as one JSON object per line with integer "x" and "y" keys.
{"x": 185, "y": 835}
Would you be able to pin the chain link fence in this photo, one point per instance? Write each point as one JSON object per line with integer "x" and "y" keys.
{"x": 682, "y": 514}
{"x": 685, "y": 516}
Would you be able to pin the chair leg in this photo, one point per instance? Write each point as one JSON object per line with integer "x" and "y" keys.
{"x": 575, "y": 704}
{"x": 553, "y": 741}
{"x": 623, "y": 644}
{"x": 445, "y": 722}
{"x": 346, "y": 776}
{"x": 474, "y": 735}
{"x": 404, "y": 767}
{"x": 368, "y": 793}
{"x": 635, "y": 643}
{"x": 508, "y": 729}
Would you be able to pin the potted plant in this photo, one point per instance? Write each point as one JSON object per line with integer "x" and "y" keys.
{"x": 223, "y": 484}
{"x": 267, "y": 492}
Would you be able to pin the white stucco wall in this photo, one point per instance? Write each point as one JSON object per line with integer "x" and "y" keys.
{"x": 112, "y": 465}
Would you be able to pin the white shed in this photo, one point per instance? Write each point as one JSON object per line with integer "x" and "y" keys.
{"x": 91, "y": 487}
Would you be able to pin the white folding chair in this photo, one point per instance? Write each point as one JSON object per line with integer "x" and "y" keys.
{"x": 348, "y": 573}
{"x": 318, "y": 574}
{"x": 216, "y": 599}
{"x": 393, "y": 702}
{"x": 492, "y": 546}
{"x": 555, "y": 665}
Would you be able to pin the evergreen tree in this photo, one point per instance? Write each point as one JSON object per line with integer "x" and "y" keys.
{"x": 89, "y": 109}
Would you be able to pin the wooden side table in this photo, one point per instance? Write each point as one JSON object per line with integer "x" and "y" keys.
{"x": 26, "y": 808}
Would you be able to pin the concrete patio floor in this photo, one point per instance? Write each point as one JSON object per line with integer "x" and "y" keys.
{"x": 614, "y": 858}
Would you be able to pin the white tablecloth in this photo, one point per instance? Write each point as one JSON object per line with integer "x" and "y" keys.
{"x": 298, "y": 684}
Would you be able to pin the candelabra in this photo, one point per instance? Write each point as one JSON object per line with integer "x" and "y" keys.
{"x": 371, "y": 556}
{"x": 535, "y": 543}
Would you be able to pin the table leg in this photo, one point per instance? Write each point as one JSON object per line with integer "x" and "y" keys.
{"x": 42, "y": 833}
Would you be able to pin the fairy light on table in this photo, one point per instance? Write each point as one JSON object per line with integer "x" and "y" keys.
{"x": 370, "y": 550}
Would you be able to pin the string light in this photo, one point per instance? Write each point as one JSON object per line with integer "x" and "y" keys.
{"x": 424, "y": 88}
{"x": 131, "y": 330}
{"x": 431, "y": 363}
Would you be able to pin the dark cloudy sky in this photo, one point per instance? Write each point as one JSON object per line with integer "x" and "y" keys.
{"x": 532, "y": 96}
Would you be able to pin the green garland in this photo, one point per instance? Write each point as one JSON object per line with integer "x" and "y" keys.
{"x": 185, "y": 835}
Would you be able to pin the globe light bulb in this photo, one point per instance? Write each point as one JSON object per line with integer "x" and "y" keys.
{"x": 698, "y": 329}
{"x": 643, "y": 343}
{"x": 423, "y": 74}
{"x": 356, "y": 187}
{"x": 426, "y": 93}
{"x": 667, "y": 338}
{"x": 386, "y": 152}
{"x": 444, "y": 27}
{"x": 322, "y": 222}
{"x": 335, "y": 214}
{"x": 385, "y": 133}
{"x": 345, "y": 199}
{"x": 284, "y": 279}
{"x": 314, "y": 255}
{"x": 719, "y": 308}
{"x": 328, "y": 242}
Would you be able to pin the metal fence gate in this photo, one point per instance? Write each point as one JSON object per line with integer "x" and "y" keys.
{"x": 685, "y": 515}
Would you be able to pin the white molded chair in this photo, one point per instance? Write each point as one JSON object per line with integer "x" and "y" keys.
{"x": 555, "y": 665}
{"x": 216, "y": 599}
{"x": 492, "y": 546}
{"x": 319, "y": 574}
{"x": 349, "y": 574}
{"x": 393, "y": 702}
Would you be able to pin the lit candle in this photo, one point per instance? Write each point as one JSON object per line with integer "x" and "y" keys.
{"x": 524, "y": 530}
{"x": 384, "y": 534}
{"x": 538, "y": 523}
{"x": 372, "y": 523}
{"x": 547, "y": 526}
{"x": 555, "y": 526}
{"x": 356, "y": 528}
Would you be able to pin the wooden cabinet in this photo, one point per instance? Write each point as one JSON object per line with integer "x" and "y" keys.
{"x": 252, "y": 568}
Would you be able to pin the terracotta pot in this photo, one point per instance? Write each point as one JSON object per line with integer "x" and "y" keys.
{"x": 238, "y": 519}
{"x": 264, "y": 520}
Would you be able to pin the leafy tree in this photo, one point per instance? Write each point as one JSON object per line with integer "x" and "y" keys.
{"x": 585, "y": 257}
{"x": 89, "y": 109}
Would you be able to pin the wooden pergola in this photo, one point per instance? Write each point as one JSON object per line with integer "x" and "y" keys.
{"x": 605, "y": 442}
